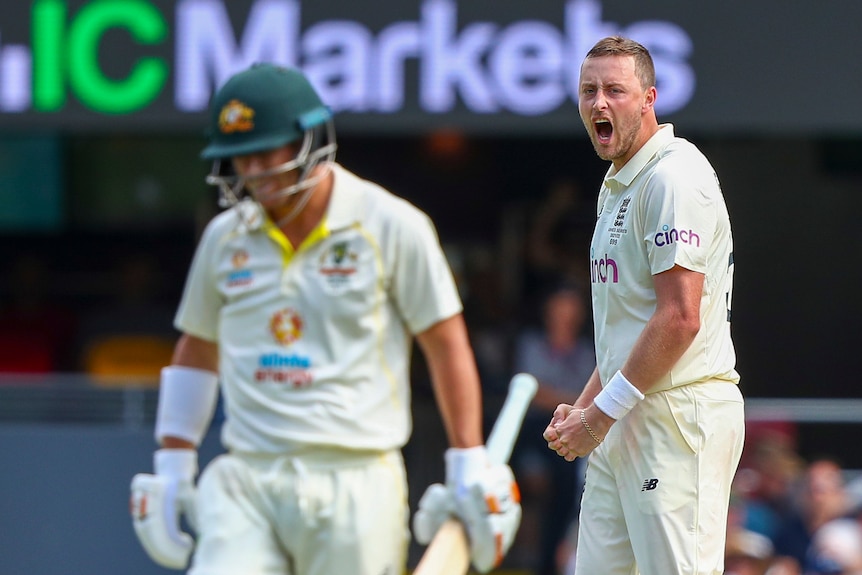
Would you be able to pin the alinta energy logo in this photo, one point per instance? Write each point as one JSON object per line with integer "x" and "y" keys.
{"x": 289, "y": 369}
{"x": 526, "y": 67}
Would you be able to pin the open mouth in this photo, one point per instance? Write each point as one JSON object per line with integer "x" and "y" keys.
{"x": 604, "y": 130}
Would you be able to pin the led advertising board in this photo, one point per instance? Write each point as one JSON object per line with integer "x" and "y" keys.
{"x": 391, "y": 66}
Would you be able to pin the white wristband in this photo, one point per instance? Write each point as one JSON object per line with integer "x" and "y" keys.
{"x": 177, "y": 463}
{"x": 187, "y": 399}
{"x": 618, "y": 397}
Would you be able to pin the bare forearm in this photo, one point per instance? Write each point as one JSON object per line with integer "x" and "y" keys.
{"x": 664, "y": 340}
{"x": 590, "y": 391}
{"x": 177, "y": 443}
{"x": 455, "y": 380}
{"x": 670, "y": 330}
{"x": 191, "y": 351}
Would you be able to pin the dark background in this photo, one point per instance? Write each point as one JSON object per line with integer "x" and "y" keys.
{"x": 792, "y": 202}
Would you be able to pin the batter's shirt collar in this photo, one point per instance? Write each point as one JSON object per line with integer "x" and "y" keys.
{"x": 346, "y": 206}
{"x": 637, "y": 162}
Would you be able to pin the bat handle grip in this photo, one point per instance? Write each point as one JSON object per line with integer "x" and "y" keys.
{"x": 503, "y": 436}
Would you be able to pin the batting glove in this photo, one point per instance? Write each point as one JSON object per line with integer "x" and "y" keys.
{"x": 436, "y": 506}
{"x": 157, "y": 503}
{"x": 487, "y": 501}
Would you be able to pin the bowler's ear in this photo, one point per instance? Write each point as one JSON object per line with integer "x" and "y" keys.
{"x": 649, "y": 100}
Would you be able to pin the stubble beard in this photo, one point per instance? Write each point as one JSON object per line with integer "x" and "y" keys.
{"x": 626, "y": 136}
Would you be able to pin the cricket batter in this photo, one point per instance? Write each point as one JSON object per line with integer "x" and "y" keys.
{"x": 301, "y": 305}
{"x": 662, "y": 414}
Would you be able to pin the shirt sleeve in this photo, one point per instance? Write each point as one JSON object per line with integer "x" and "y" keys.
{"x": 679, "y": 216}
{"x": 198, "y": 313}
{"x": 423, "y": 287}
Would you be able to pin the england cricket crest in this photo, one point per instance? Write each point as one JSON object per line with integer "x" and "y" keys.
{"x": 337, "y": 266}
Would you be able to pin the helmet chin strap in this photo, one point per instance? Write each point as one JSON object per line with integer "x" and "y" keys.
{"x": 305, "y": 188}
{"x": 309, "y": 157}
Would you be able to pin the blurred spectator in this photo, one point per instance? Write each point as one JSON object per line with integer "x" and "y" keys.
{"x": 768, "y": 472}
{"x": 489, "y": 322}
{"x": 558, "y": 237}
{"x": 760, "y": 492}
{"x": 747, "y": 553}
{"x": 822, "y": 497}
{"x": 561, "y": 356}
{"x": 35, "y": 330}
{"x": 836, "y": 549}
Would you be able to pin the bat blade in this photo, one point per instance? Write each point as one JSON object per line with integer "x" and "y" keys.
{"x": 449, "y": 551}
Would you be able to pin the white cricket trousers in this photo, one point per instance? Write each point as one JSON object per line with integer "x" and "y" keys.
{"x": 658, "y": 488}
{"x": 323, "y": 513}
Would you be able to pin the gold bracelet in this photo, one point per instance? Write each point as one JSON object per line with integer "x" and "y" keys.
{"x": 590, "y": 429}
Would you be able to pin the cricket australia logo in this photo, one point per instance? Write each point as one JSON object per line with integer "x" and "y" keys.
{"x": 286, "y": 326}
{"x": 337, "y": 265}
{"x": 235, "y": 117}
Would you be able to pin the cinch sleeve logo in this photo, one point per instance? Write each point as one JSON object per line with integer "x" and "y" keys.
{"x": 669, "y": 236}
{"x": 603, "y": 270}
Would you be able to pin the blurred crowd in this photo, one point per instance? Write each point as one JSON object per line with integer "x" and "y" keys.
{"x": 122, "y": 335}
{"x": 789, "y": 515}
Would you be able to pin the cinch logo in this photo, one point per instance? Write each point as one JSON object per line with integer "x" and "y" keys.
{"x": 604, "y": 270}
{"x": 668, "y": 236}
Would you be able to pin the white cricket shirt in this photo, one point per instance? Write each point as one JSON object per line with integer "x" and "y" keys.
{"x": 315, "y": 343}
{"x": 663, "y": 208}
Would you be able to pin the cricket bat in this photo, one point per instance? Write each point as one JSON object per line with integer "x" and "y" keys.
{"x": 449, "y": 551}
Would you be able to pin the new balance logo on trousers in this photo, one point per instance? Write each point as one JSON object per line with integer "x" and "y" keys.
{"x": 649, "y": 484}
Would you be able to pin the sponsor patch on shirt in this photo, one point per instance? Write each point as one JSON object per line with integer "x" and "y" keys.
{"x": 240, "y": 276}
{"x": 337, "y": 266}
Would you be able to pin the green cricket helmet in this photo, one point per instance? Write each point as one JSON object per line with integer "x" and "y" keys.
{"x": 263, "y": 108}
